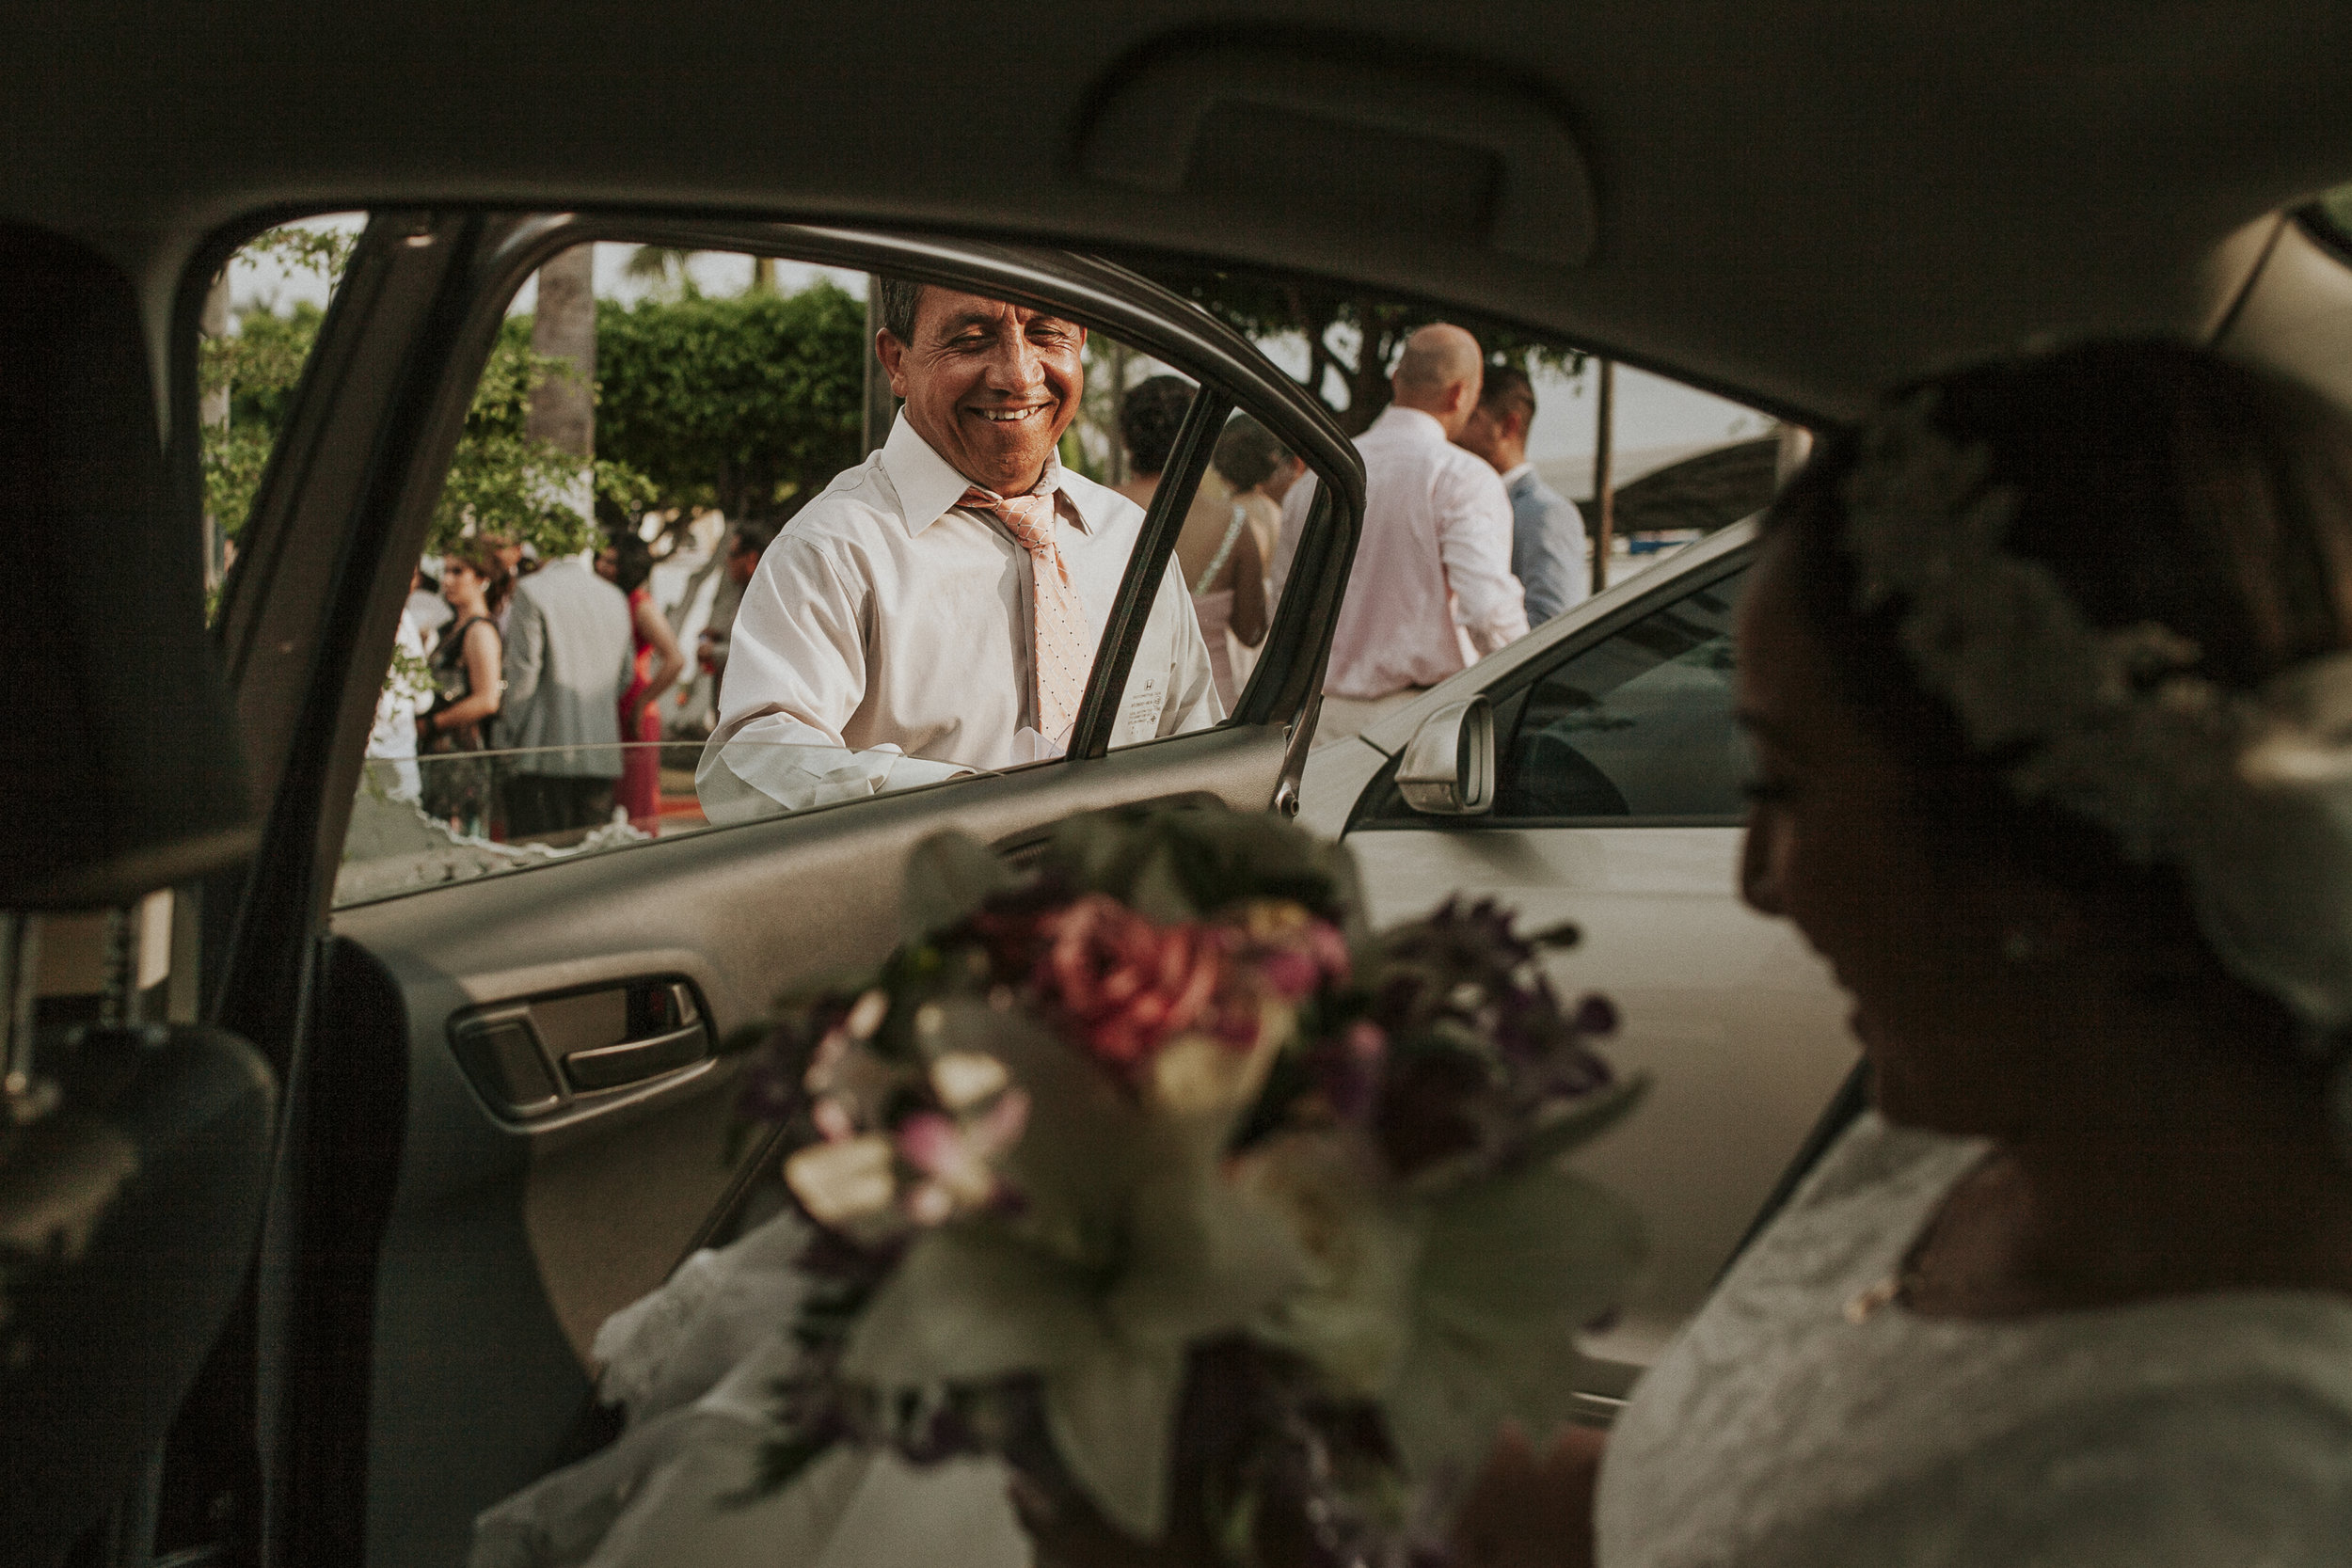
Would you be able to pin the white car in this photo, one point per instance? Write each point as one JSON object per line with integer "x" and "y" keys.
{"x": 1591, "y": 772}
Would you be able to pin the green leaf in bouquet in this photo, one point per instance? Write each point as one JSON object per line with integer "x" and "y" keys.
{"x": 1510, "y": 1270}
{"x": 1158, "y": 889}
{"x": 948, "y": 876}
{"x": 1112, "y": 1416}
{"x": 971, "y": 1303}
{"x": 1199, "y": 1257}
{"x": 1534, "y": 1248}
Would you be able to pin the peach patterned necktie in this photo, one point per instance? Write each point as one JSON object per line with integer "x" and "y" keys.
{"x": 1059, "y": 643}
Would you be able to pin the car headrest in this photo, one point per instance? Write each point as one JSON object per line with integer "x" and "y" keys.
{"x": 120, "y": 748}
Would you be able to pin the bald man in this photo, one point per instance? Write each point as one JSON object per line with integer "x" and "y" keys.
{"x": 1431, "y": 592}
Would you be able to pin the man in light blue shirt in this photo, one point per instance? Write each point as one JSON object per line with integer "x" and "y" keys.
{"x": 1549, "y": 552}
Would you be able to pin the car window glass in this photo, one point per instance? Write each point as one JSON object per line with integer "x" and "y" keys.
{"x": 702, "y": 449}
{"x": 1231, "y": 523}
{"x": 1638, "y": 726}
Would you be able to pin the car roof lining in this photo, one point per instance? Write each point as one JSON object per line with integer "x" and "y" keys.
{"x": 1765, "y": 181}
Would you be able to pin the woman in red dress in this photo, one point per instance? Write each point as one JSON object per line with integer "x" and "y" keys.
{"x": 627, "y": 561}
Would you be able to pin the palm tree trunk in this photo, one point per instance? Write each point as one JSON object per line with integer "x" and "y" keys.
{"x": 564, "y": 327}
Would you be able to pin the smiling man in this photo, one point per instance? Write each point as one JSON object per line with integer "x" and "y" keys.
{"x": 935, "y": 611}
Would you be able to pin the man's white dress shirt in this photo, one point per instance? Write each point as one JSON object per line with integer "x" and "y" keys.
{"x": 885, "y": 640}
{"x": 1431, "y": 592}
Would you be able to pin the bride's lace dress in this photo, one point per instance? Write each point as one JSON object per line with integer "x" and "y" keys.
{"x": 1802, "y": 1421}
{"x": 692, "y": 1364}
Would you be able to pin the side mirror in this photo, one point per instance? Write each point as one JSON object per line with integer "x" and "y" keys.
{"x": 1448, "y": 769}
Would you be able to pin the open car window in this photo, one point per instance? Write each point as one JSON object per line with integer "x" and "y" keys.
{"x": 716, "y": 545}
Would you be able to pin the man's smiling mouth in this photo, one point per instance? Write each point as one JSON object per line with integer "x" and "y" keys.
{"x": 1010, "y": 416}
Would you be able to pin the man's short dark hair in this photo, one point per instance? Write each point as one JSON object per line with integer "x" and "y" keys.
{"x": 1150, "y": 416}
{"x": 1508, "y": 391}
{"x": 898, "y": 301}
{"x": 1247, "y": 454}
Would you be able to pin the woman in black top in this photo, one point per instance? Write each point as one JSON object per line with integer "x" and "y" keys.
{"x": 465, "y": 674}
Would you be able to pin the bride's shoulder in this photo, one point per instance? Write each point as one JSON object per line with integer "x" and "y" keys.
{"x": 1876, "y": 1158}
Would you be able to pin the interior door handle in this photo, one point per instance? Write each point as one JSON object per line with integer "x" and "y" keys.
{"x": 609, "y": 1067}
{"x": 534, "y": 1058}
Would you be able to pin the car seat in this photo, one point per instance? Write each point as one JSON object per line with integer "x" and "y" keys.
{"x": 133, "y": 1156}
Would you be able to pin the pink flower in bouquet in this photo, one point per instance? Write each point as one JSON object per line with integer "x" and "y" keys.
{"x": 1131, "y": 986}
{"x": 956, "y": 1157}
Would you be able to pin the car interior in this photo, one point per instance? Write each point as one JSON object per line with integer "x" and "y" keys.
{"x": 347, "y": 1191}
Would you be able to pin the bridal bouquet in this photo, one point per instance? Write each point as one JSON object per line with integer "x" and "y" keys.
{"x": 1149, "y": 1172}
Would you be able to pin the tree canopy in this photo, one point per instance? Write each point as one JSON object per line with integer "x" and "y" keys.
{"x": 1352, "y": 338}
{"x": 739, "y": 403}
{"x": 500, "y": 480}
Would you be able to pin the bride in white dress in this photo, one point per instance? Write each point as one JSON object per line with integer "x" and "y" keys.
{"x": 2049, "y": 675}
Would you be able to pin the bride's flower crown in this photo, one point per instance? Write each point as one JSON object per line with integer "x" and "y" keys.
{"x": 2247, "y": 793}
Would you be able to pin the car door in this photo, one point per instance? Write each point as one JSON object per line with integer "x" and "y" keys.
{"x": 1617, "y": 807}
{"x": 510, "y": 1096}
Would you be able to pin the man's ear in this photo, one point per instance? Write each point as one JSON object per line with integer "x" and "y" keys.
{"x": 892, "y": 354}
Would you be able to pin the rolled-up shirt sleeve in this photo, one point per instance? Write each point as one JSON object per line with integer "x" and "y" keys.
{"x": 1474, "y": 544}
{"x": 795, "y": 674}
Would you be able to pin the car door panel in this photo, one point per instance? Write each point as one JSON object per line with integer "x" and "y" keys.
{"x": 441, "y": 1252}
{"x": 510, "y": 1240}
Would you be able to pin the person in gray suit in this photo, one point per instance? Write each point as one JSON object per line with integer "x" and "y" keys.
{"x": 568, "y": 654}
{"x": 1549, "y": 552}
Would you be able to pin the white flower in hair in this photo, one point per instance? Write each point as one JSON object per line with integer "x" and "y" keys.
{"x": 2249, "y": 794}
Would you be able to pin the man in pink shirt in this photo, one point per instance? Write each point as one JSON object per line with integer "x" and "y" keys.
{"x": 1431, "y": 592}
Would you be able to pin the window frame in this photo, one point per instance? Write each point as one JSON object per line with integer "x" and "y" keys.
{"x": 466, "y": 265}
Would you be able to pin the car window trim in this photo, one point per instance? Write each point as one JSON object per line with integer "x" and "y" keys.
{"x": 1099, "y": 712}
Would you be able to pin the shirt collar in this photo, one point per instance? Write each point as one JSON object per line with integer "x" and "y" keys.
{"x": 929, "y": 487}
{"x": 1511, "y": 476}
{"x": 1418, "y": 424}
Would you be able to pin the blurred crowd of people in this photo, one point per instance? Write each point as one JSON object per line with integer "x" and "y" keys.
{"x": 559, "y": 668}
{"x": 1464, "y": 547}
